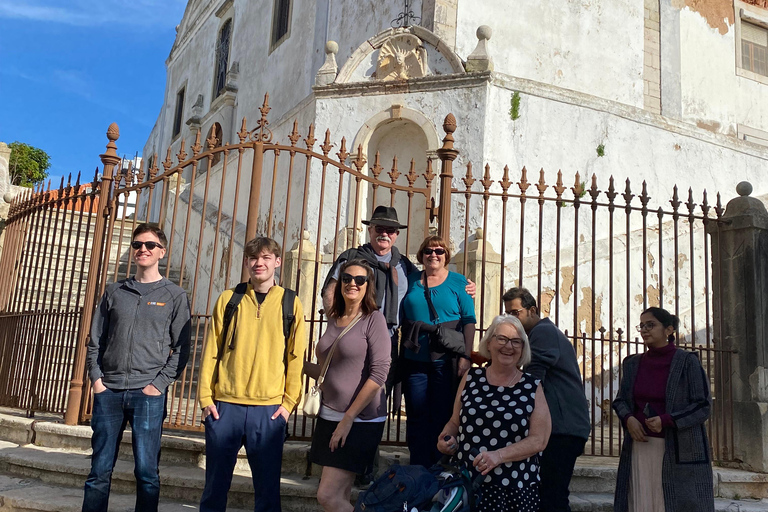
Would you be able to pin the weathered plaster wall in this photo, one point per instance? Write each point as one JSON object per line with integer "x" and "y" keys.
{"x": 712, "y": 95}
{"x": 561, "y": 130}
{"x": 586, "y": 46}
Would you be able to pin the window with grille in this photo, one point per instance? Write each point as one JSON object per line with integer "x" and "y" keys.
{"x": 281, "y": 22}
{"x": 179, "y": 112}
{"x": 222, "y": 58}
{"x": 754, "y": 48}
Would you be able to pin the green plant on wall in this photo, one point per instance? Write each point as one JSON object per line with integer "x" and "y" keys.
{"x": 600, "y": 150}
{"x": 514, "y": 108}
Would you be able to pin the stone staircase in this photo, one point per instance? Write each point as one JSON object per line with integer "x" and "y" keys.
{"x": 44, "y": 463}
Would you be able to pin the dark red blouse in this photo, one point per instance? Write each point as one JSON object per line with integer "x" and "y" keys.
{"x": 651, "y": 386}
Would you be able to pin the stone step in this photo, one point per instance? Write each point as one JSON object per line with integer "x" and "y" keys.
{"x": 187, "y": 449}
{"x": 33, "y": 495}
{"x": 177, "y": 482}
{"x": 592, "y": 475}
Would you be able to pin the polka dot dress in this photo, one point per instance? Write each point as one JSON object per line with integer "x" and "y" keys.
{"x": 493, "y": 417}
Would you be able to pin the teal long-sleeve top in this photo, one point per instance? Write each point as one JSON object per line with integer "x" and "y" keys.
{"x": 451, "y": 301}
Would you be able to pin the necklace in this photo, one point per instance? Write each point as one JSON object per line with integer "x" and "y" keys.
{"x": 512, "y": 379}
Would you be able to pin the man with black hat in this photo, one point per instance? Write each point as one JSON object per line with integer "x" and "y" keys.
{"x": 389, "y": 266}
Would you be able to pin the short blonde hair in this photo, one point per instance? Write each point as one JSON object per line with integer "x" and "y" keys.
{"x": 483, "y": 350}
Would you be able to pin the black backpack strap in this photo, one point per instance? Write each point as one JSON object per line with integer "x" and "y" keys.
{"x": 229, "y": 313}
{"x": 289, "y": 297}
{"x": 428, "y": 296}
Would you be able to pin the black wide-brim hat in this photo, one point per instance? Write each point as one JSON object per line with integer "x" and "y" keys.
{"x": 384, "y": 216}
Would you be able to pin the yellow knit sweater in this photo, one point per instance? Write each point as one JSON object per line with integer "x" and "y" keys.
{"x": 254, "y": 372}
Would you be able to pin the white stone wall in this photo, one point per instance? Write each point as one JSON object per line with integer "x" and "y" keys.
{"x": 590, "y": 47}
{"x": 562, "y": 131}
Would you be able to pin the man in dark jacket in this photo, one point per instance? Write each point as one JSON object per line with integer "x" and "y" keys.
{"x": 139, "y": 345}
{"x": 553, "y": 361}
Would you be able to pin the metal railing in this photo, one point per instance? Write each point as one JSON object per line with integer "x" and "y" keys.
{"x": 595, "y": 259}
{"x": 311, "y": 196}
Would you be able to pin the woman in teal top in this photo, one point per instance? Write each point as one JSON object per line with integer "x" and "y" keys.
{"x": 429, "y": 385}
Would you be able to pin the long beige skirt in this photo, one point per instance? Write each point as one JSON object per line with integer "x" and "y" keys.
{"x": 645, "y": 488}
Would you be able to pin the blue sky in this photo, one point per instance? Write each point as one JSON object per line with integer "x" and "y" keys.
{"x": 70, "y": 68}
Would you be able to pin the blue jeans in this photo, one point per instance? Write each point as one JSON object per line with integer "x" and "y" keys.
{"x": 429, "y": 395}
{"x": 112, "y": 411}
{"x": 263, "y": 437}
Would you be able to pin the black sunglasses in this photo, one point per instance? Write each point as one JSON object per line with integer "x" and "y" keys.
{"x": 386, "y": 229}
{"x": 348, "y": 278}
{"x": 150, "y": 245}
{"x": 437, "y": 250}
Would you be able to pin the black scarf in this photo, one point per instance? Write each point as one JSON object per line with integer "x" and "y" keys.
{"x": 385, "y": 274}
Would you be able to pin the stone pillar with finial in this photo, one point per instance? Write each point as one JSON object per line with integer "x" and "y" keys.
{"x": 327, "y": 72}
{"x": 740, "y": 305}
{"x": 486, "y": 275}
{"x": 480, "y": 60}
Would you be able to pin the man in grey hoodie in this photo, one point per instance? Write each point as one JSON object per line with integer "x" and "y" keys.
{"x": 553, "y": 361}
{"x": 139, "y": 345}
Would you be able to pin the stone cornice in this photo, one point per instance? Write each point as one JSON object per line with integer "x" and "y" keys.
{"x": 423, "y": 84}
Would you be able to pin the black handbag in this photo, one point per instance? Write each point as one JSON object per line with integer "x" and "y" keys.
{"x": 446, "y": 337}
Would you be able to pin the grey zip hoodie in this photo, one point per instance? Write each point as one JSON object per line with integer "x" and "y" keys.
{"x": 139, "y": 339}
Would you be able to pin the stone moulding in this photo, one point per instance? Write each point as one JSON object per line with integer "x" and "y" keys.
{"x": 424, "y": 84}
{"x": 375, "y": 43}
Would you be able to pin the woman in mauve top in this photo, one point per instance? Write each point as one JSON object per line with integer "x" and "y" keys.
{"x": 663, "y": 403}
{"x": 354, "y": 405}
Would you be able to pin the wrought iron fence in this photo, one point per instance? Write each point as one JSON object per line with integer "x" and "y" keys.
{"x": 311, "y": 195}
{"x": 595, "y": 259}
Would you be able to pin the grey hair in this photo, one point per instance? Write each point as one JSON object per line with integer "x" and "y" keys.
{"x": 525, "y": 358}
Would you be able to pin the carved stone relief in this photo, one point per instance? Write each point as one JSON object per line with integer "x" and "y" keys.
{"x": 401, "y": 57}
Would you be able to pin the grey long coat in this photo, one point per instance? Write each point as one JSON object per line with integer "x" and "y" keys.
{"x": 687, "y": 469}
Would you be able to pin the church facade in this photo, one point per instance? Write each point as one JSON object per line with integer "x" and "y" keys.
{"x": 652, "y": 90}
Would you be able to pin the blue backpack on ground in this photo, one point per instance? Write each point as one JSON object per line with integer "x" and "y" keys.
{"x": 441, "y": 488}
{"x": 399, "y": 488}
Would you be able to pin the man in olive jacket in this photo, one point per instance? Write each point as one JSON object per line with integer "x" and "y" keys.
{"x": 139, "y": 345}
{"x": 553, "y": 361}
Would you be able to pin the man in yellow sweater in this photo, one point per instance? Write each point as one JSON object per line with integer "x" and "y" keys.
{"x": 250, "y": 382}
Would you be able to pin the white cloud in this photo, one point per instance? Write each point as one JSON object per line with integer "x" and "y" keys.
{"x": 136, "y": 13}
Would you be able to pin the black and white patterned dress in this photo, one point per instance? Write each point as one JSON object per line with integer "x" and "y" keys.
{"x": 493, "y": 417}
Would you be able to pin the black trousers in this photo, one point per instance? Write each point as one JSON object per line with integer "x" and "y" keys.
{"x": 557, "y": 469}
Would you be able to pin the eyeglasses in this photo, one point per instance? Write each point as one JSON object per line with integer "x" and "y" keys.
{"x": 348, "y": 278}
{"x": 149, "y": 245}
{"x": 647, "y": 326}
{"x": 503, "y": 340}
{"x": 429, "y": 250}
{"x": 384, "y": 229}
{"x": 515, "y": 312}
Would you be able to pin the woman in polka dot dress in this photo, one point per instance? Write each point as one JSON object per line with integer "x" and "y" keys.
{"x": 502, "y": 412}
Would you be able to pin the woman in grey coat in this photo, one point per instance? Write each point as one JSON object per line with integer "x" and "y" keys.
{"x": 663, "y": 402}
